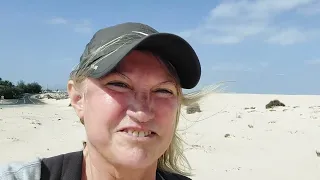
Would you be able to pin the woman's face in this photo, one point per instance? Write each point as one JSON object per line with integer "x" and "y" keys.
{"x": 130, "y": 115}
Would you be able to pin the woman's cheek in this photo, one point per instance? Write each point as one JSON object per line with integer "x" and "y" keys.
{"x": 167, "y": 102}
{"x": 114, "y": 98}
{"x": 165, "y": 108}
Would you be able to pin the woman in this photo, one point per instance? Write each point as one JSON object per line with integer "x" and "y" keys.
{"x": 127, "y": 91}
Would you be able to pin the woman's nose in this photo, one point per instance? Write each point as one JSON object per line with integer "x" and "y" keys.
{"x": 140, "y": 110}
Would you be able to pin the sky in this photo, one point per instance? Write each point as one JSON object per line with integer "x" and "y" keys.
{"x": 254, "y": 46}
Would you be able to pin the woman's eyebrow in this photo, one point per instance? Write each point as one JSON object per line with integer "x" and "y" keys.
{"x": 122, "y": 75}
{"x": 117, "y": 73}
{"x": 168, "y": 82}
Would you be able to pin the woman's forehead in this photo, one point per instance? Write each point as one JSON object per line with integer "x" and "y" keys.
{"x": 139, "y": 58}
{"x": 143, "y": 65}
{"x": 143, "y": 62}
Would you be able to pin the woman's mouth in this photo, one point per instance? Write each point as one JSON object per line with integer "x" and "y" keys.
{"x": 138, "y": 133}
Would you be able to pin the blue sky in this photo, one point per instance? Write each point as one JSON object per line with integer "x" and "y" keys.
{"x": 263, "y": 46}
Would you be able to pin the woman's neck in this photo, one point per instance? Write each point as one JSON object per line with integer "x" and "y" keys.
{"x": 95, "y": 167}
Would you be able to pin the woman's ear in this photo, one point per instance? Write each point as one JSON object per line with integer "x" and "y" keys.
{"x": 76, "y": 98}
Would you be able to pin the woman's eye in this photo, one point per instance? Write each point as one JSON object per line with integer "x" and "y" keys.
{"x": 164, "y": 91}
{"x": 118, "y": 84}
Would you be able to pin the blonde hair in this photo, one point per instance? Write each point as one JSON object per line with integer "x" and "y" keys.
{"x": 174, "y": 159}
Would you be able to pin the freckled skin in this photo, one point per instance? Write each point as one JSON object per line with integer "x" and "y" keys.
{"x": 108, "y": 108}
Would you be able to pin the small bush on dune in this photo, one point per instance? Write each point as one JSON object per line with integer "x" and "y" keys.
{"x": 274, "y": 103}
{"x": 193, "y": 108}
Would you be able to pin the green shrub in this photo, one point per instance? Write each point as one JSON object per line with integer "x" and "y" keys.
{"x": 10, "y": 91}
{"x": 274, "y": 103}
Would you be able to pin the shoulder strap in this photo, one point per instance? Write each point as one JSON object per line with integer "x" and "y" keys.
{"x": 163, "y": 175}
{"x": 62, "y": 167}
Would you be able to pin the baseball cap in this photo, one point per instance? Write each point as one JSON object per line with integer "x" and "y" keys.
{"x": 110, "y": 45}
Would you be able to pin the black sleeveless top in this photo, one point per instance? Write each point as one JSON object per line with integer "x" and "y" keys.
{"x": 69, "y": 167}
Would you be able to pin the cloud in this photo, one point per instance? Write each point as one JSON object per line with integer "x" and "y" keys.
{"x": 258, "y": 9}
{"x": 313, "y": 62}
{"x": 287, "y": 37}
{"x": 232, "y": 22}
{"x": 264, "y": 64}
{"x": 311, "y": 9}
{"x": 81, "y": 26}
{"x": 57, "y": 20}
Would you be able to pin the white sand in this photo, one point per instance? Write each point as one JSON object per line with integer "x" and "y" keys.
{"x": 278, "y": 145}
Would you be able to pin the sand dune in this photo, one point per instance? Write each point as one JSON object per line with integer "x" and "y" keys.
{"x": 234, "y": 137}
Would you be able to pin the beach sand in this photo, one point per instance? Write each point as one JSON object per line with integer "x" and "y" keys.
{"x": 234, "y": 137}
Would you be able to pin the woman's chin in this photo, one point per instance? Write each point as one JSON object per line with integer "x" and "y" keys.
{"x": 135, "y": 159}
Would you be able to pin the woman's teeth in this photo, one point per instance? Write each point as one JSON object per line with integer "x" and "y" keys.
{"x": 138, "y": 133}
